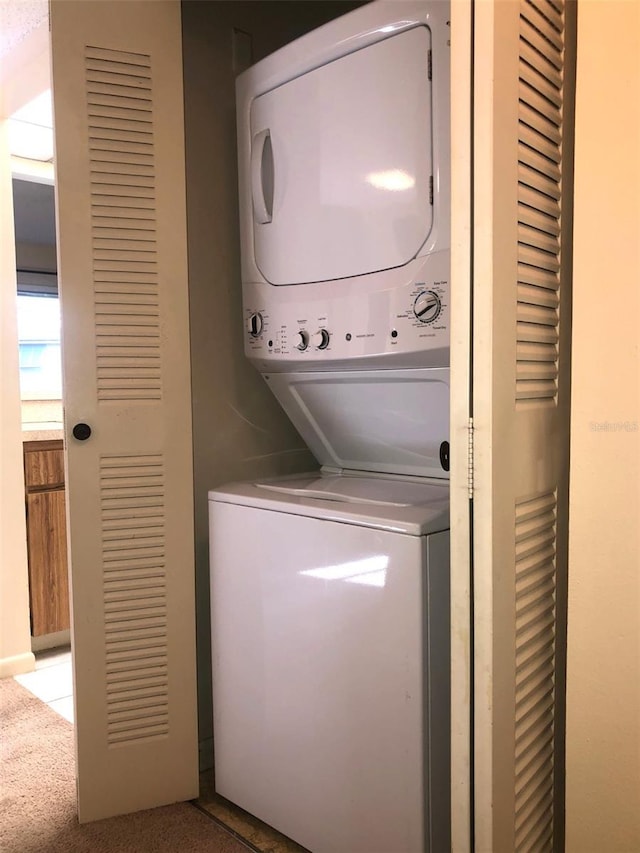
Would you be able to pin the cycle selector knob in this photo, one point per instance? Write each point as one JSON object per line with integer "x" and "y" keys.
{"x": 303, "y": 340}
{"x": 427, "y": 306}
{"x": 321, "y": 339}
{"x": 255, "y": 324}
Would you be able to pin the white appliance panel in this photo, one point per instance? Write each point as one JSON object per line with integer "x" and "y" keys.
{"x": 400, "y": 319}
{"x": 392, "y": 421}
{"x": 341, "y": 164}
{"x": 322, "y": 714}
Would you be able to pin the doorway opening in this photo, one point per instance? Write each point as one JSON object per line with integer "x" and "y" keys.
{"x": 39, "y": 358}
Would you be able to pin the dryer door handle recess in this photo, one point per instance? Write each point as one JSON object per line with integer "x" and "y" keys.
{"x": 262, "y": 175}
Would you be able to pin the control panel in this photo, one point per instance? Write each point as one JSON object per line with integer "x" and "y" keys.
{"x": 297, "y": 326}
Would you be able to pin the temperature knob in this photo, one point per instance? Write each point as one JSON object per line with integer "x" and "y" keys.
{"x": 255, "y": 324}
{"x": 303, "y": 342}
{"x": 427, "y": 306}
{"x": 321, "y": 339}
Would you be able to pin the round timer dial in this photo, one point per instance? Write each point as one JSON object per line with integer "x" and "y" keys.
{"x": 427, "y": 306}
{"x": 255, "y": 324}
{"x": 321, "y": 339}
{"x": 303, "y": 340}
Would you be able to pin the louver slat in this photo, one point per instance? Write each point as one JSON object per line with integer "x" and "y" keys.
{"x": 535, "y": 218}
{"x": 123, "y": 239}
{"x": 135, "y": 596}
{"x": 107, "y": 206}
{"x": 111, "y": 139}
{"x": 529, "y": 276}
{"x": 539, "y": 208}
{"x": 536, "y": 69}
{"x": 540, "y": 123}
{"x": 552, "y": 9}
{"x": 103, "y": 83}
{"x": 531, "y": 36}
{"x": 535, "y": 608}
{"x": 547, "y": 82}
{"x": 127, "y": 325}
{"x": 539, "y": 240}
{"x": 111, "y": 71}
{"x": 546, "y": 19}
{"x": 535, "y": 161}
{"x": 122, "y": 174}
{"x": 538, "y": 102}
{"x": 538, "y": 176}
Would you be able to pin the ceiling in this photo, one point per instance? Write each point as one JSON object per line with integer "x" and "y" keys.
{"x": 23, "y": 32}
{"x": 18, "y": 18}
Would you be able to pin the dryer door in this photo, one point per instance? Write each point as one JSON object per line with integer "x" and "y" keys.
{"x": 341, "y": 162}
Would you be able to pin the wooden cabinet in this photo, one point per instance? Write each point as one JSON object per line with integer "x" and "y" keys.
{"x": 46, "y": 536}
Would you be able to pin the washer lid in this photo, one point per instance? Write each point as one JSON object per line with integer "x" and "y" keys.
{"x": 398, "y": 504}
{"x": 341, "y": 164}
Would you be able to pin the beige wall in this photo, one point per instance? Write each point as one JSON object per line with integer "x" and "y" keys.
{"x": 15, "y": 639}
{"x": 239, "y": 430}
{"x": 603, "y": 682}
{"x": 23, "y": 75}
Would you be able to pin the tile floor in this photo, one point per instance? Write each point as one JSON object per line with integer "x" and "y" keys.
{"x": 51, "y": 681}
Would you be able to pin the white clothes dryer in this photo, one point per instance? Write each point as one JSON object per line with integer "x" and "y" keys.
{"x": 330, "y": 639}
{"x": 344, "y": 191}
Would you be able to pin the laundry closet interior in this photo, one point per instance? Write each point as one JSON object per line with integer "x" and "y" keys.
{"x": 321, "y": 414}
{"x": 340, "y": 349}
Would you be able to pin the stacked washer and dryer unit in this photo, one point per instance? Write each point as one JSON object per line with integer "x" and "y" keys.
{"x": 330, "y": 590}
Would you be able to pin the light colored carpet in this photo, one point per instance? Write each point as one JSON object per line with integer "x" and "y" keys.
{"x": 37, "y": 795}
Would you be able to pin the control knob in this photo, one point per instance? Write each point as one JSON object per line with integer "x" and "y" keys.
{"x": 255, "y": 324}
{"x": 303, "y": 341}
{"x": 427, "y": 306}
{"x": 321, "y": 339}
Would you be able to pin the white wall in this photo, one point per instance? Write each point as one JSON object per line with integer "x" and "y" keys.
{"x": 603, "y": 679}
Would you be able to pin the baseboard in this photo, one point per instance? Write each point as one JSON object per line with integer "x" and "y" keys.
{"x": 205, "y": 754}
{"x": 17, "y": 664}
{"x": 51, "y": 641}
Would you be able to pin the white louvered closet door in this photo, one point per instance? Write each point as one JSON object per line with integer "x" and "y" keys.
{"x": 117, "y": 87}
{"x": 524, "y": 55}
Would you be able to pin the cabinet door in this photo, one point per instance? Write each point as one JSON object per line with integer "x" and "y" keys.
{"x": 44, "y": 468}
{"x": 48, "y": 581}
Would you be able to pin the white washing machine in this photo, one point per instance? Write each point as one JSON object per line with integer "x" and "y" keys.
{"x": 330, "y": 638}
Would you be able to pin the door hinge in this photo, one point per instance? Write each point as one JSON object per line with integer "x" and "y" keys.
{"x": 429, "y": 65}
{"x": 430, "y": 189}
{"x": 470, "y": 458}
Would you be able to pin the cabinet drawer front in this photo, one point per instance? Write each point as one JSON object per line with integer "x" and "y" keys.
{"x": 44, "y": 468}
{"x": 47, "y": 544}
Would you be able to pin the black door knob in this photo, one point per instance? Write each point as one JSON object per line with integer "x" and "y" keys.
{"x": 81, "y": 432}
{"x": 444, "y": 455}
